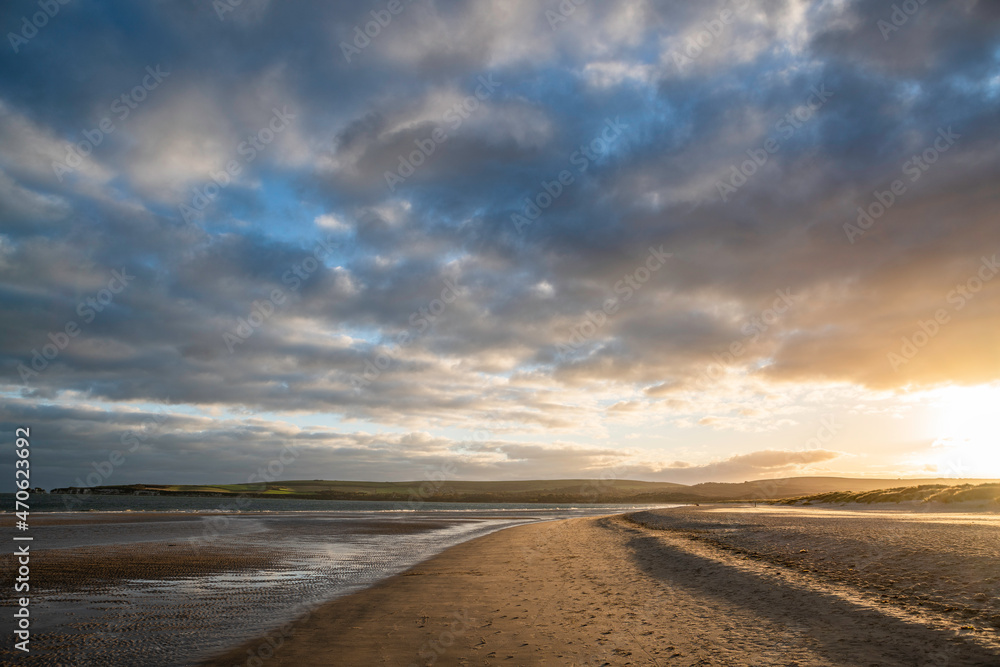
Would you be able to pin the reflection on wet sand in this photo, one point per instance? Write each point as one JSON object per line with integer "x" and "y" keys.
{"x": 169, "y": 588}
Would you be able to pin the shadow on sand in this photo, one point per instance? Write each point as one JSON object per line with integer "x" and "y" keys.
{"x": 838, "y": 629}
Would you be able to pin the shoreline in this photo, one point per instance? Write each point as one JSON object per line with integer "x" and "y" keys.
{"x": 619, "y": 590}
{"x": 172, "y": 588}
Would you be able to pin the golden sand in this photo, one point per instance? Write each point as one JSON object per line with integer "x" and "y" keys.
{"x": 611, "y": 591}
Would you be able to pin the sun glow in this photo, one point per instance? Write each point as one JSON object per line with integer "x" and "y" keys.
{"x": 967, "y": 432}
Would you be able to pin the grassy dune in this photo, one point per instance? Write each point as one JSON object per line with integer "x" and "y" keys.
{"x": 924, "y": 493}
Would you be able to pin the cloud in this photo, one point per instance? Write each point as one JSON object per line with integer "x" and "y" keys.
{"x": 160, "y": 446}
{"x": 760, "y": 464}
{"x": 331, "y": 222}
{"x": 700, "y": 340}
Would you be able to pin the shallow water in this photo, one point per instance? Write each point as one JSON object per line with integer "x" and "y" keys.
{"x": 58, "y": 502}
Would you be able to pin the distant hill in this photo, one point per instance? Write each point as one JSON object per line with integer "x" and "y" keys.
{"x": 528, "y": 491}
{"x": 949, "y": 493}
{"x": 800, "y": 486}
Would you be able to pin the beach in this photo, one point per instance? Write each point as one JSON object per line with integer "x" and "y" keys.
{"x": 717, "y": 585}
{"x": 172, "y": 588}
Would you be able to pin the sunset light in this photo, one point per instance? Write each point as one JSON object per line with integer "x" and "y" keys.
{"x": 657, "y": 331}
{"x": 967, "y": 432}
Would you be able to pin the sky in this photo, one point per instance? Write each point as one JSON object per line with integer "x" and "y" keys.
{"x": 396, "y": 240}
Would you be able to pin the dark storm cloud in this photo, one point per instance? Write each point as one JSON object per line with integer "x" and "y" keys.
{"x": 521, "y": 294}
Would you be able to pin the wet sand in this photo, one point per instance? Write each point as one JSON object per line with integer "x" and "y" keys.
{"x": 99, "y": 568}
{"x": 692, "y": 586}
{"x": 170, "y": 589}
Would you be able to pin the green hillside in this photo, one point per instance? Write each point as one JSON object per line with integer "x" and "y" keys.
{"x": 524, "y": 491}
